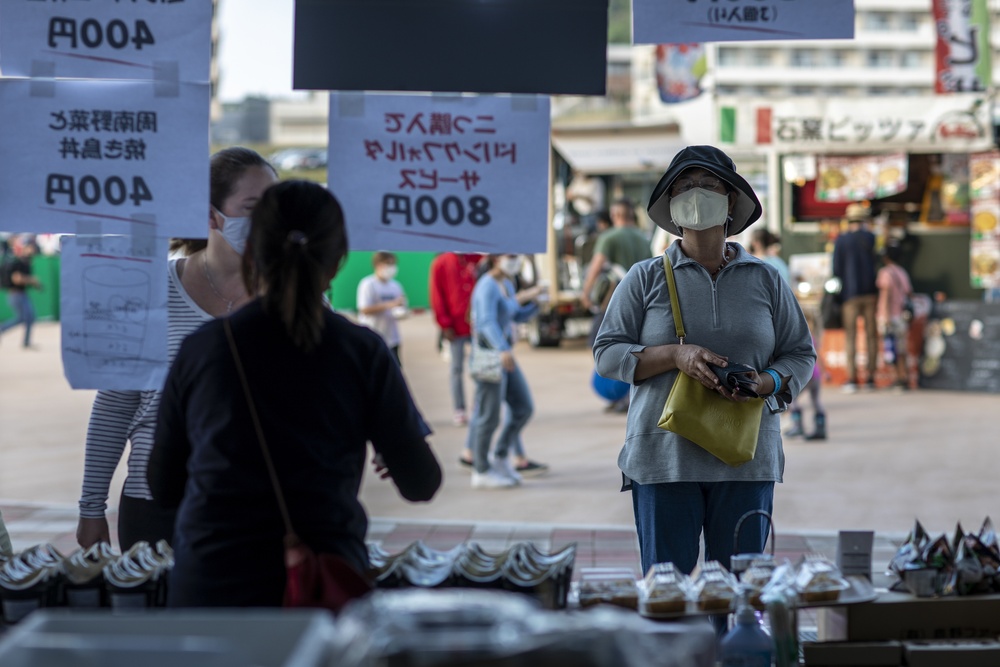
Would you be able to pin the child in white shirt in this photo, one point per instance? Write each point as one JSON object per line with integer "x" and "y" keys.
{"x": 381, "y": 300}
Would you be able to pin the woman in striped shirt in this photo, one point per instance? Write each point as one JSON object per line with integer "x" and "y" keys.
{"x": 203, "y": 284}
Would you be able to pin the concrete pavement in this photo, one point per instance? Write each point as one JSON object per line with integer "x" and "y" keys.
{"x": 890, "y": 458}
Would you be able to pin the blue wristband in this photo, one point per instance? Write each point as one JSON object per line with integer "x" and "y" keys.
{"x": 777, "y": 380}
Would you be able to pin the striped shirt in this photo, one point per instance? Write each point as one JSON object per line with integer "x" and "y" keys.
{"x": 130, "y": 416}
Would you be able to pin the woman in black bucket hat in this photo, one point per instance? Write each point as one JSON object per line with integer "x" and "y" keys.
{"x": 736, "y": 309}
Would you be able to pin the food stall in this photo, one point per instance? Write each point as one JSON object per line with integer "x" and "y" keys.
{"x": 926, "y": 166}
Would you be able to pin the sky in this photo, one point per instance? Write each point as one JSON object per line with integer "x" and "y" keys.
{"x": 255, "y": 48}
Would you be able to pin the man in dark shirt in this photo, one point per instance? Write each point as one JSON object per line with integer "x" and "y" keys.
{"x": 854, "y": 266}
{"x": 20, "y": 279}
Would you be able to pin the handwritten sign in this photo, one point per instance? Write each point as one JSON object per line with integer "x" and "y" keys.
{"x": 665, "y": 21}
{"x": 107, "y": 39}
{"x": 105, "y": 156}
{"x": 114, "y": 312}
{"x": 434, "y": 173}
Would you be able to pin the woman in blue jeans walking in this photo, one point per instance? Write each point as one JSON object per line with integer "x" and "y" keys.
{"x": 495, "y": 308}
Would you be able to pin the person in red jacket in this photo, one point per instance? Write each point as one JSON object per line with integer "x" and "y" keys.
{"x": 452, "y": 278}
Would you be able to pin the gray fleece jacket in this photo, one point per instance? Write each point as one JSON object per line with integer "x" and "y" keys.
{"x": 747, "y": 314}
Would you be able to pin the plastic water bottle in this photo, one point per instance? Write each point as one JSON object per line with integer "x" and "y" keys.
{"x": 746, "y": 645}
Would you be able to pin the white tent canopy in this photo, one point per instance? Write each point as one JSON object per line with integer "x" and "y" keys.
{"x": 618, "y": 150}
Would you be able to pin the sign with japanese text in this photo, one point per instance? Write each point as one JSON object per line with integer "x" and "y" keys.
{"x": 659, "y": 21}
{"x": 113, "y": 312}
{"x": 962, "y": 53}
{"x": 106, "y": 39}
{"x": 108, "y": 157}
{"x": 984, "y": 193}
{"x": 437, "y": 173}
{"x": 847, "y": 179}
{"x": 811, "y": 125}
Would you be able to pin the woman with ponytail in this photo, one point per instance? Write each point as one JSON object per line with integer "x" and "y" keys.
{"x": 322, "y": 388}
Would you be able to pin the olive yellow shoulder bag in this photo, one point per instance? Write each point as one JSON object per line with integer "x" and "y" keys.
{"x": 726, "y": 429}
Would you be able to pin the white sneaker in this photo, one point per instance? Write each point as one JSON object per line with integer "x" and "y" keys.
{"x": 503, "y": 467}
{"x": 491, "y": 479}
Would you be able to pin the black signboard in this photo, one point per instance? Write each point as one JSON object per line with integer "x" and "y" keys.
{"x": 475, "y": 46}
{"x": 962, "y": 347}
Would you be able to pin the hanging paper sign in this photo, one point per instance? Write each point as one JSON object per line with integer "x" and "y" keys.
{"x": 103, "y": 157}
{"x": 107, "y": 39}
{"x": 433, "y": 173}
{"x": 659, "y": 21}
{"x": 113, "y": 312}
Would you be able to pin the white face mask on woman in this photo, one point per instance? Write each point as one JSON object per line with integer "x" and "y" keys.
{"x": 699, "y": 208}
{"x": 511, "y": 265}
{"x": 235, "y": 231}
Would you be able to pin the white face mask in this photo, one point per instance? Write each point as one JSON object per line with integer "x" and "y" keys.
{"x": 511, "y": 265}
{"x": 235, "y": 231}
{"x": 699, "y": 209}
{"x": 387, "y": 272}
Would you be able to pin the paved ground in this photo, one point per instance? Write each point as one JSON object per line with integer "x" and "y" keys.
{"x": 890, "y": 458}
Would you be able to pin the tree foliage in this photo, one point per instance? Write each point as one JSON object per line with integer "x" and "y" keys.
{"x": 620, "y": 22}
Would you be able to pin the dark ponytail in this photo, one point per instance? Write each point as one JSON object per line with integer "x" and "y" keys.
{"x": 297, "y": 238}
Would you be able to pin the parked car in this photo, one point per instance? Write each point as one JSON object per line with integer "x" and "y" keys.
{"x": 294, "y": 159}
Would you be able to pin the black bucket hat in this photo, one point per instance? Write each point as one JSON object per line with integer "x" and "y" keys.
{"x": 747, "y": 209}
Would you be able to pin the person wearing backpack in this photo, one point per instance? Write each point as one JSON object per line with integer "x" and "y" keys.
{"x": 16, "y": 279}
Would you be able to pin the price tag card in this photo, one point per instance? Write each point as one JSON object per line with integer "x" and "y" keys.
{"x": 113, "y": 312}
{"x": 681, "y": 21}
{"x": 437, "y": 172}
{"x": 102, "y": 157}
{"x": 106, "y": 39}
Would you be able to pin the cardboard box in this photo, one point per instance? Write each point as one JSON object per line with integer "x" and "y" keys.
{"x": 900, "y": 616}
{"x": 974, "y": 653}
{"x": 853, "y": 654}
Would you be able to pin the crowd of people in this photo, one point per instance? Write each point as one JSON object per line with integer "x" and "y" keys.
{"x": 268, "y": 383}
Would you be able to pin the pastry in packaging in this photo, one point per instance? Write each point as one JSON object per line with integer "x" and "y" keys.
{"x": 714, "y": 589}
{"x": 615, "y": 586}
{"x": 665, "y": 590}
{"x": 819, "y": 580}
{"x": 756, "y": 577}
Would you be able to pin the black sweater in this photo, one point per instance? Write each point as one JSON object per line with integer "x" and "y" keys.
{"x": 318, "y": 410}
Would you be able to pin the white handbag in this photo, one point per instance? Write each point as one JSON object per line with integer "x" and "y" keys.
{"x": 485, "y": 364}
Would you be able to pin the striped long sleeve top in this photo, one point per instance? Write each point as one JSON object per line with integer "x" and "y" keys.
{"x": 118, "y": 417}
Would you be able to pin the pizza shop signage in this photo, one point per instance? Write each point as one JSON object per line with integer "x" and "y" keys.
{"x": 955, "y": 123}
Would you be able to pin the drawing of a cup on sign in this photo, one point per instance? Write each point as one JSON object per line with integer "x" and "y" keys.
{"x": 116, "y": 303}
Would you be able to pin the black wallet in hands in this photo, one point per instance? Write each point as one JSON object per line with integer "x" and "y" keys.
{"x": 736, "y": 378}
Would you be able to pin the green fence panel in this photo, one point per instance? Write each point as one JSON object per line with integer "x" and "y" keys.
{"x": 45, "y": 300}
{"x": 414, "y": 271}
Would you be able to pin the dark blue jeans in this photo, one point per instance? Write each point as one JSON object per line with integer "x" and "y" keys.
{"x": 669, "y": 519}
{"x": 24, "y": 312}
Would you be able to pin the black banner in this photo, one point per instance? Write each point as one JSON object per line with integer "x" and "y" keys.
{"x": 493, "y": 46}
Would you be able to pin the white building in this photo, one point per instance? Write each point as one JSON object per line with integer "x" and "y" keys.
{"x": 866, "y": 97}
